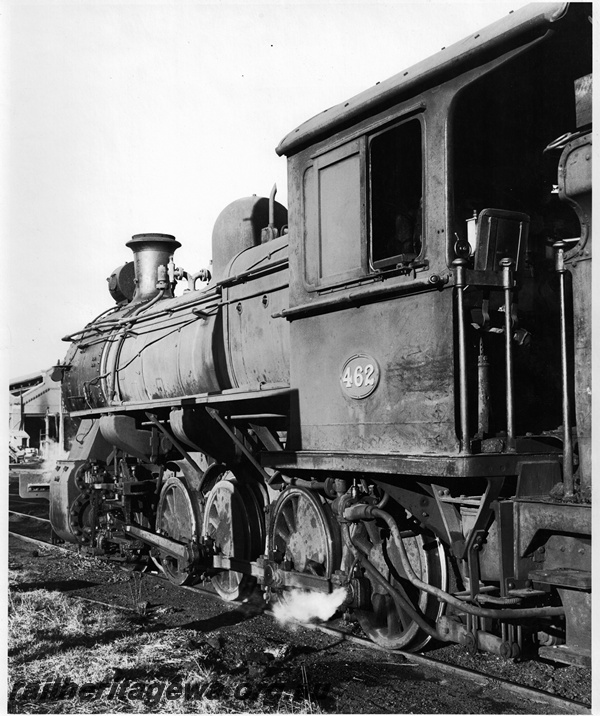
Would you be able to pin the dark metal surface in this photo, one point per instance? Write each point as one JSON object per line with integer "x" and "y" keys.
{"x": 452, "y": 466}
{"x": 238, "y": 227}
{"x": 412, "y": 410}
{"x": 236, "y": 397}
{"x": 575, "y": 188}
{"x": 249, "y": 302}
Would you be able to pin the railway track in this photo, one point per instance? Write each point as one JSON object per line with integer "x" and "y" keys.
{"x": 556, "y": 703}
{"x": 28, "y": 516}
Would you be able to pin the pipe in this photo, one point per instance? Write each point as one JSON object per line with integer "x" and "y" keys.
{"x": 112, "y": 324}
{"x": 362, "y": 297}
{"x": 568, "y": 482}
{"x": 505, "y": 601}
{"x": 272, "y": 207}
{"x": 483, "y": 393}
{"x": 383, "y": 502}
{"x": 359, "y": 512}
{"x": 306, "y": 484}
{"x": 465, "y": 447}
{"x": 376, "y": 575}
{"x": 507, "y": 284}
{"x": 202, "y": 275}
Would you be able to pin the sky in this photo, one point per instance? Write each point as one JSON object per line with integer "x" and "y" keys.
{"x": 125, "y": 118}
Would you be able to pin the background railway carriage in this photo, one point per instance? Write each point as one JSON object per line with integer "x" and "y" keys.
{"x": 388, "y": 389}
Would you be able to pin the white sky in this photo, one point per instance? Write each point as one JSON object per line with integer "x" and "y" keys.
{"x": 138, "y": 117}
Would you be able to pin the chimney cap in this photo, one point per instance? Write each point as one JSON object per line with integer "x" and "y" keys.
{"x": 146, "y": 239}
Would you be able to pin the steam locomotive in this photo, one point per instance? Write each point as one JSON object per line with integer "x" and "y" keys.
{"x": 385, "y": 390}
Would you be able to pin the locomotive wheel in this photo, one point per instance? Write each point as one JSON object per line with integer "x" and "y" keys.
{"x": 385, "y": 623}
{"x": 81, "y": 519}
{"x": 176, "y": 518}
{"x": 233, "y": 520}
{"x": 303, "y": 533}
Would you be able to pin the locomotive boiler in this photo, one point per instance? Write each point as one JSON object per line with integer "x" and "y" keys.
{"x": 385, "y": 390}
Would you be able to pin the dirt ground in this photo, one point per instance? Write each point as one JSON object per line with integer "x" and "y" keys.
{"x": 248, "y": 651}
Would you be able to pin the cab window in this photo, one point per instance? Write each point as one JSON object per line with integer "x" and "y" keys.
{"x": 396, "y": 191}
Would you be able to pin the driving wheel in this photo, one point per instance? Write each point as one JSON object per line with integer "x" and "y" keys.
{"x": 303, "y": 533}
{"x": 176, "y": 518}
{"x": 385, "y": 622}
{"x": 233, "y": 520}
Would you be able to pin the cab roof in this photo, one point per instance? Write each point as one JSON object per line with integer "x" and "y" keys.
{"x": 491, "y": 41}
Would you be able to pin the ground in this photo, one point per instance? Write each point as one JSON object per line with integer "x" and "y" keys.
{"x": 173, "y": 650}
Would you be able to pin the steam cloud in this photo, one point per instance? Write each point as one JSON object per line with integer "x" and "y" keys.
{"x": 301, "y": 606}
{"x": 52, "y": 453}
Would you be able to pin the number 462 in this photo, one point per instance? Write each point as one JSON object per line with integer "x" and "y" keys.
{"x": 361, "y": 375}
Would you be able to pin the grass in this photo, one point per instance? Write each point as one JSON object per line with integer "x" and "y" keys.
{"x": 69, "y": 656}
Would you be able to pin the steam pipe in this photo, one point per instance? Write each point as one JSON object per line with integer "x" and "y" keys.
{"x": 361, "y": 511}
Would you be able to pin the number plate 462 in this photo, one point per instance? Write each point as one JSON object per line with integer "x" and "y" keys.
{"x": 360, "y": 376}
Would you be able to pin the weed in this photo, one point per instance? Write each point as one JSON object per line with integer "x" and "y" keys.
{"x": 76, "y": 657}
{"x": 135, "y": 594}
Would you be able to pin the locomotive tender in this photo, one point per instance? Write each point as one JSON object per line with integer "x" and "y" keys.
{"x": 388, "y": 389}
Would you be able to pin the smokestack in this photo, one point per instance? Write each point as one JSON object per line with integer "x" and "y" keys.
{"x": 149, "y": 252}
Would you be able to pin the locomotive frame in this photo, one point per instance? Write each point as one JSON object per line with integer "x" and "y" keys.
{"x": 387, "y": 390}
